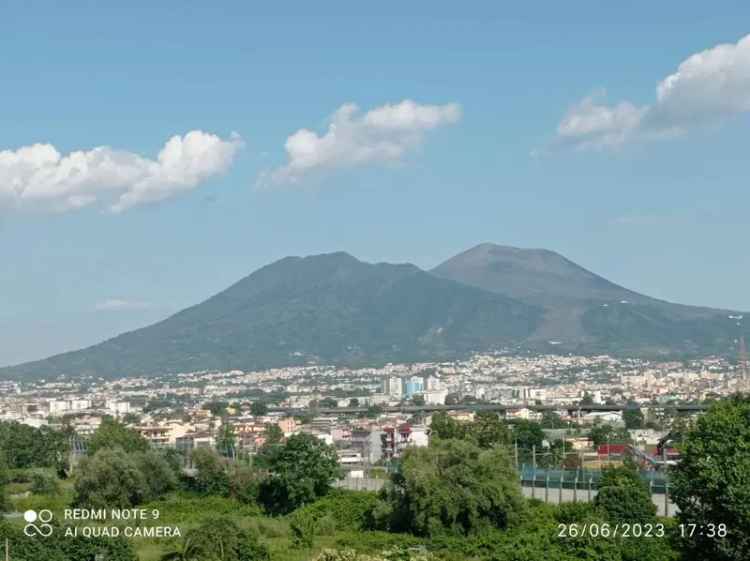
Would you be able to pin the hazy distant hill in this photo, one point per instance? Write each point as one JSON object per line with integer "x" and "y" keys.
{"x": 330, "y": 308}
{"x": 587, "y": 313}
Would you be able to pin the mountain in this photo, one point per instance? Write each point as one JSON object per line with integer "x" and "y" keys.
{"x": 328, "y": 308}
{"x": 584, "y": 312}
{"x": 335, "y": 309}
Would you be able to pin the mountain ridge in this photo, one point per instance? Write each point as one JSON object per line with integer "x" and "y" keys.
{"x": 328, "y": 308}
{"x": 333, "y": 308}
{"x": 585, "y": 312}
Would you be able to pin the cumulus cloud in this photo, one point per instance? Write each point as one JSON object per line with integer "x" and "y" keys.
{"x": 382, "y": 135}
{"x": 707, "y": 88}
{"x": 592, "y": 123}
{"x": 120, "y": 305}
{"x": 39, "y": 177}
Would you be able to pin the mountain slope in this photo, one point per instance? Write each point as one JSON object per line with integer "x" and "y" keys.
{"x": 584, "y": 312}
{"x": 329, "y": 308}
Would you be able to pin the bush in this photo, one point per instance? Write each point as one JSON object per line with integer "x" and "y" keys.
{"x": 184, "y": 509}
{"x": 348, "y": 510}
{"x": 302, "y": 529}
{"x": 211, "y": 473}
{"x": 244, "y": 483}
{"x": 58, "y": 547}
{"x": 397, "y": 554}
{"x": 219, "y": 538}
{"x": 44, "y": 484}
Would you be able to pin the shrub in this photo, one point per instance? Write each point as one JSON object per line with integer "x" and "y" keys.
{"x": 349, "y": 510}
{"x": 44, "y": 484}
{"x": 302, "y": 529}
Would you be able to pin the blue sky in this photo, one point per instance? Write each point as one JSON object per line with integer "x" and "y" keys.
{"x": 508, "y": 137}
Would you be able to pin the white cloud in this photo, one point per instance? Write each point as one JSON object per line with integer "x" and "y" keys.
{"x": 39, "y": 177}
{"x": 120, "y": 305}
{"x": 707, "y": 88}
{"x": 382, "y": 135}
{"x": 589, "y": 123}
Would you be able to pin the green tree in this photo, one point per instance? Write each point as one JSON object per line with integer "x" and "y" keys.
{"x": 328, "y": 403}
{"x": 113, "y": 434}
{"x": 633, "y": 417}
{"x": 711, "y": 483}
{"x": 159, "y": 473}
{"x": 487, "y": 430}
{"x": 528, "y": 437}
{"x": 211, "y": 477}
{"x": 418, "y": 400}
{"x": 273, "y": 434}
{"x": 258, "y": 409}
{"x": 451, "y": 487}
{"x": 623, "y": 496}
{"x": 551, "y": 420}
{"x": 300, "y": 471}
{"x": 109, "y": 479}
{"x": 527, "y": 434}
{"x": 354, "y": 402}
{"x": 443, "y": 427}
{"x": 28, "y": 447}
{"x": 608, "y": 434}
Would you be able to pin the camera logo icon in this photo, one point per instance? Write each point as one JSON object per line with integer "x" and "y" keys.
{"x": 44, "y": 517}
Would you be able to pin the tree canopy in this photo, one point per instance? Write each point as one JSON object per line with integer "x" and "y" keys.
{"x": 300, "y": 471}
{"x": 454, "y": 487}
{"x": 113, "y": 434}
{"x": 624, "y": 497}
{"x": 711, "y": 483}
{"x": 28, "y": 447}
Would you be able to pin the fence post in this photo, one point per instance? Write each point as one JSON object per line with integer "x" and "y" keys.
{"x": 546, "y": 488}
{"x": 533, "y": 471}
{"x": 575, "y": 489}
{"x": 666, "y": 498}
{"x": 591, "y": 480}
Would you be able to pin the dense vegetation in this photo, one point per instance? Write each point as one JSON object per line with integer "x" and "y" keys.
{"x": 456, "y": 500}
